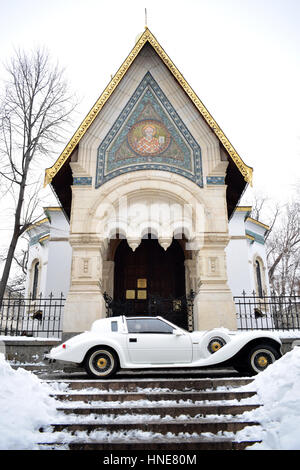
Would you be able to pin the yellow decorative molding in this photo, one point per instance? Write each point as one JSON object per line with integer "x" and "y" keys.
{"x": 42, "y": 239}
{"x": 243, "y": 209}
{"x": 258, "y": 223}
{"x": 147, "y": 36}
{"x": 53, "y": 209}
{"x": 36, "y": 224}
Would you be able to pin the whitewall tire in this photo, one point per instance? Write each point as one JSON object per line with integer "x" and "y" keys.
{"x": 260, "y": 357}
{"x": 101, "y": 363}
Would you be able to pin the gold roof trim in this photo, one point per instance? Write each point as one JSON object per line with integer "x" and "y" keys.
{"x": 257, "y": 222}
{"x": 42, "y": 239}
{"x": 250, "y": 237}
{"x": 147, "y": 36}
{"x": 54, "y": 208}
{"x": 36, "y": 224}
{"x": 243, "y": 209}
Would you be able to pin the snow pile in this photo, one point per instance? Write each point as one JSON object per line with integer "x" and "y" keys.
{"x": 278, "y": 389}
{"x": 25, "y": 406}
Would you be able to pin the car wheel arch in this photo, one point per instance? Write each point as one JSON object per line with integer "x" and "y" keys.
{"x": 263, "y": 340}
{"x": 241, "y": 355}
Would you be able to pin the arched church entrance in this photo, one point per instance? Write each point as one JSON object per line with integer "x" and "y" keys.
{"x": 151, "y": 281}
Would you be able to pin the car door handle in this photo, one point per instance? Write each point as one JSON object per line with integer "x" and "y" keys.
{"x": 132, "y": 340}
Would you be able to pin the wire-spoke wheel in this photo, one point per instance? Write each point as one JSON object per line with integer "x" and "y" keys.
{"x": 261, "y": 357}
{"x": 101, "y": 363}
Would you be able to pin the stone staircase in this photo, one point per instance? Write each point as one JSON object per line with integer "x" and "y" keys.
{"x": 184, "y": 413}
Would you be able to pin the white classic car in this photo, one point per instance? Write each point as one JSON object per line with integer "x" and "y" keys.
{"x": 153, "y": 342}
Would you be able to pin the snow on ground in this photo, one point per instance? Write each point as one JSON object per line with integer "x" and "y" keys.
{"x": 278, "y": 389}
{"x": 26, "y": 405}
{"x": 28, "y": 338}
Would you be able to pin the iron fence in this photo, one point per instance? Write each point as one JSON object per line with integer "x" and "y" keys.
{"x": 272, "y": 312}
{"x": 41, "y": 316}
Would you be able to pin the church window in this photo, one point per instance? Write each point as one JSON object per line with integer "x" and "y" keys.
{"x": 258, "y": 278}
{"x": 35, "y": 280}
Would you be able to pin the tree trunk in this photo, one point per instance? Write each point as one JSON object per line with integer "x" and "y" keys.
{"x": 14, "y": 240}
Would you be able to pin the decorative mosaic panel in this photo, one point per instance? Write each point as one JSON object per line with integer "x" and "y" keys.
{"x": 215, "y": 180}
{"x": 82, "y": 181}
{"x": 149, "y": 134}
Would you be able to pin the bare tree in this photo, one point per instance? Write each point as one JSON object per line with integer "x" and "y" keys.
{"x": 263, "y": 207}
{"x": 34, "y": 109}
{"x": 283, "y": 251}
{"x": 18, "y": 279}
{"x": 282, "y": 240}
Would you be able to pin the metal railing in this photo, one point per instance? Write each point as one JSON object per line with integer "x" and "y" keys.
{"x": 40, "y": 316}
{"x": 269, "y": 312}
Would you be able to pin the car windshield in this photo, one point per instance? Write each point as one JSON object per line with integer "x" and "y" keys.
{"x": 148, "y": 325}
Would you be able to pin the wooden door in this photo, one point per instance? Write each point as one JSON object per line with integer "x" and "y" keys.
{"x": 149, "y": 270}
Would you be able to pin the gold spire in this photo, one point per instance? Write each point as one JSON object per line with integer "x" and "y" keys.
{"x": 147, "y": 36}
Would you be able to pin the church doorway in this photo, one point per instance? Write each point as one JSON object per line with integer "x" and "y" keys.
{"x": 150, "y": 281}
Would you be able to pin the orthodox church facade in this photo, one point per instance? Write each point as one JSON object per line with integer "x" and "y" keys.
{"x": 50, "y": 259}
{"x": 148, "y": 186}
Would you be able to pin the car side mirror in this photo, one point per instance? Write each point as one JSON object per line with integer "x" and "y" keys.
{"x": 177, "y": 333}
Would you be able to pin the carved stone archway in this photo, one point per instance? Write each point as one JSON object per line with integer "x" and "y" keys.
{"x": 167, "y": 205}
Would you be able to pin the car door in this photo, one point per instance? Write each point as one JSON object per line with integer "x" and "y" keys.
{"x": 152, "y": 341}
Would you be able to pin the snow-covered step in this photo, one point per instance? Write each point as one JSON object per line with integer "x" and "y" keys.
{"x": 171, "y": 410}
{"x": 199, "y": 425}
{"x": 188, "y": 384}
{"x": 149, "y": 442}
{"x": 201, "y": 413}
{"x": 35, "y": 368}
{"x": 154, "y": 396}
{"x": 40, "y": 369}
{"x": 201, "y": 443}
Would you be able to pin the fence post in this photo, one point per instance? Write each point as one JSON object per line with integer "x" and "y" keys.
{"x": 7, "y": 313}
{"x": 18, "y": 314}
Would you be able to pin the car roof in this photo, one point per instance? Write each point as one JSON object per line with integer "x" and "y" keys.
{"x": 139, "y": 317}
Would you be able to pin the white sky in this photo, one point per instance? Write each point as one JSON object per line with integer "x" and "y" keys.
{"x": 240, "y": 56}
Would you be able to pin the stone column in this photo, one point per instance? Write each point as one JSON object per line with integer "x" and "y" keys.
{"x": 214, "y": 306}
{"x": 84, "y": 303}
{"x": 108, "y": 277}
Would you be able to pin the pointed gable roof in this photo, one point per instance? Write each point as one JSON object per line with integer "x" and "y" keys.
{"x": 238, "y": 174}
{"x": 147, "y": 37}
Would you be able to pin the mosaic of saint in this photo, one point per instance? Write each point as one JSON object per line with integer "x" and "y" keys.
{"x": 148, "y": 135}
{"x": 149, "y": 138}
